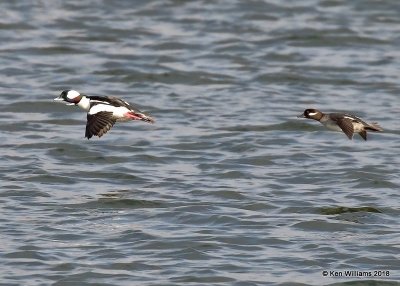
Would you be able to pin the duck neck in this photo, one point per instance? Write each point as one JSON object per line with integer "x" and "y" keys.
{"x": 84, "y": 103}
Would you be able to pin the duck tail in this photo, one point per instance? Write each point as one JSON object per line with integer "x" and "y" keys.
{"x": 147, "y": 118}
{"x": 135, "y": 115}
{"x": 374, "y": 127}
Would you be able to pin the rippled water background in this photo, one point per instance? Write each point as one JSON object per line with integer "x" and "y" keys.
{"x": 228, "y": 187}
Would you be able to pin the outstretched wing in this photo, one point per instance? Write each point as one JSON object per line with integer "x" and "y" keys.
{"x": 99, "y": 123}
{"x": 346, "y": 125}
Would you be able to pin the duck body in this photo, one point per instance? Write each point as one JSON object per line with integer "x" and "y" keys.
{"x": 102, "y": 111}
{"x": 342, "y": 122}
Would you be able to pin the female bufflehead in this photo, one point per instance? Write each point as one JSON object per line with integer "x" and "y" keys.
{"x": 102, "y": 111}
{"x": 347, "y": 123}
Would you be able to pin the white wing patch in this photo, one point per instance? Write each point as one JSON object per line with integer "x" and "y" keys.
{"x": 349, "y": 117}
{"x": 118, "y": 112}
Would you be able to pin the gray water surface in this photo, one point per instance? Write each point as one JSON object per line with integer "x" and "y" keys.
{"x": 228, "y": 187}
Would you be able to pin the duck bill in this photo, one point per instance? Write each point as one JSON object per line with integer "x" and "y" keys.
{"x": 59, "y": 99}
{"x": 301, "y": 116}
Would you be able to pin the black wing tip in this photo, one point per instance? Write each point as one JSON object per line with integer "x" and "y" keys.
{"x": 98, "y": 134}
{"x": 363, "y": 134}
{"x": 88, "y": 135}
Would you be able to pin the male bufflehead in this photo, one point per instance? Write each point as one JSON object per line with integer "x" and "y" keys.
{"x": 347, "y": 123}
{"x": 102, "y": 111}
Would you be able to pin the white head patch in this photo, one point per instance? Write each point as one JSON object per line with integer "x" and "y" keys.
{"x": 312, "y": 113}
{"x": 72, "y": 94}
